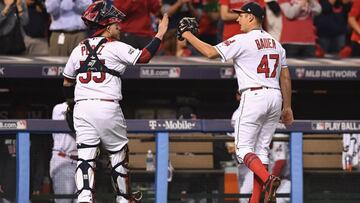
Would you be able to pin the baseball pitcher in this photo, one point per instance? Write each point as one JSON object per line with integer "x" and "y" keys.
{"x": 264, "y": 81}
{"x": 92, "y": 77}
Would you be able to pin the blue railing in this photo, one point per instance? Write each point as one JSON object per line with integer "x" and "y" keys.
{"x": 161, "y": 129}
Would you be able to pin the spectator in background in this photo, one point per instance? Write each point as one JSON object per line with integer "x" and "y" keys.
{"x": 137, "y": 26}
{"x": 169, "y": 44}
{"x": 209, "y": 22}
{"x": 36, "y": 30}
{"x": 298, "y": 31}
{"x": 173, "y": 47}
{"x": 8, "y": 19}
{"x": 67, "y": 28}
{"x": 231, "y": 27}
{"x": 186, "y": 112}
{"x": 182, "y": 49}
{"x": 273, "y": 18}
{"x": 177, "y": 9}
{"x": 331, "y": 26}
{"x": 354, "y": 22}
{"x": 64, "y": 158}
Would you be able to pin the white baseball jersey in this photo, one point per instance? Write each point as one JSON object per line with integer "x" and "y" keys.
{"x": 235, "y": 116}
{"x": 62, "y": 167}
{"x": 258, "y": 58}
{"x": 280, "y": 151}
{"x": 63, "y": 142}
{"x": 351, "y": 149}
{"x": 96, "y": 85}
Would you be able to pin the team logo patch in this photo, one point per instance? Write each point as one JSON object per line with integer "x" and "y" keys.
{"x": 228, "y": 42}
{"x": 131, "y": 51}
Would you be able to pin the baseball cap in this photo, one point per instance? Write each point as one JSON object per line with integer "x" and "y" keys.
{"x": 252, "y": 8}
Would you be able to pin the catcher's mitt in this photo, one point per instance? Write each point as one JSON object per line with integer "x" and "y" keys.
{"x": 187, "y": 24}
{"x": 69, "y": 115}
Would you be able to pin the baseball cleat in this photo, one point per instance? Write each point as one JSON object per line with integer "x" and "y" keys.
{"x": 136, "y": 197}
{"x": 271, "y": 185}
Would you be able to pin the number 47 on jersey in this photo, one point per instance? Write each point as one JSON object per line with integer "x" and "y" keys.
{"x": 263, "y": 66}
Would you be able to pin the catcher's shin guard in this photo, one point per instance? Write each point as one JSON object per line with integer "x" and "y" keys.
{"x": 119, "y": 162}
{"x": 84, "y": 175}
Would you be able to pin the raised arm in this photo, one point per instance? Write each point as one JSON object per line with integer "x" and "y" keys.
{"x": 149, "y": 51}
{"x": 291, "y": 11}
{"x": 354, "y": 24}
{"x": 172, "y": 9}
{"x": 204, "y": 48}
{"x": 226, "y": 14}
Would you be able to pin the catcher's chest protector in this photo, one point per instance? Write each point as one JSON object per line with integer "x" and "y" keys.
{"x": 93, "y": 63}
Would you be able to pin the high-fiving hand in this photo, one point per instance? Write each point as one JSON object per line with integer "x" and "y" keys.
{"x": 163, "y": 26}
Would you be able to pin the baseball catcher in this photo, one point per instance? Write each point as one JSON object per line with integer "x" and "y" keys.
{"x": 187, "y": 24}
{"x": 92, "y": 77}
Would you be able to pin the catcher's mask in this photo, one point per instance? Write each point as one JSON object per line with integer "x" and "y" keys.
{"x": 98, "y": 15}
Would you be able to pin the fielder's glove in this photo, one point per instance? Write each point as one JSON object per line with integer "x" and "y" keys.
{"x": 187, "y": 24}
{"x": 69, "y": 115}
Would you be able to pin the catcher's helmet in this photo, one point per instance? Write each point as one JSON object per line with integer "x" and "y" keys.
{"x": 97, "y": 15}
